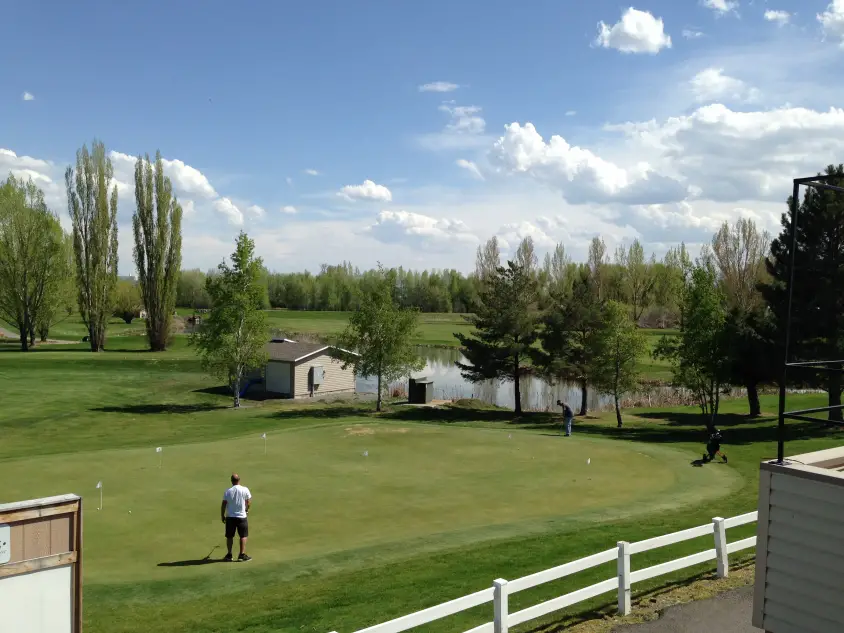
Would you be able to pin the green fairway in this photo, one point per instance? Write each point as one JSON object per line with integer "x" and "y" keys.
{"x": 443, "y": 503}
{"x": 316, "y": 494}
{"x": 434, "y": 329}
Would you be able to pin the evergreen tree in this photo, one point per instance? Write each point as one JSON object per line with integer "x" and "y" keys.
{"x": 567, "y": 325}
{"x": 506, "y": 327}
{"x": 157, "y": 226}
{"x": 817, "y": 313}
{"x": 93, "y": 211}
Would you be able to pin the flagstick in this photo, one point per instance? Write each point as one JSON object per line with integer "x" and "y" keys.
{"x": 265, "y": 446}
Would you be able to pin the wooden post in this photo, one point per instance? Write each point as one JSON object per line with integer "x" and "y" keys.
{"x": 500, "y": 605}
{"x": 721, "y": 555}
{"x": 624, "y": 578}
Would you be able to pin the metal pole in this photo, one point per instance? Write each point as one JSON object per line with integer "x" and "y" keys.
{"x": 795, "y": 201}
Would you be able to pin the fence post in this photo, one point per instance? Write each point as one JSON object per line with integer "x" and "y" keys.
{"x": 500, "y": 605}
{"x": 721, "y": 555}
{"x": 624, "y": 578}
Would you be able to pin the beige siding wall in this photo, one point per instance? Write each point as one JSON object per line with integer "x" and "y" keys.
{"x": 278, "y": 377}
{"x": 336, "y": 379}
{"x": 804, "y": 564}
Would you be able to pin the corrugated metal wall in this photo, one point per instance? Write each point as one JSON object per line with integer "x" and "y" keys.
{"x": 804, "y": 564}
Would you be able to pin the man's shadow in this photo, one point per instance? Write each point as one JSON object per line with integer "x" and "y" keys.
{"x": 194, "y": 563}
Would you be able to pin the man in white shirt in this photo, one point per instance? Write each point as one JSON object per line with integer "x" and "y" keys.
{"x": 236, "y": 503}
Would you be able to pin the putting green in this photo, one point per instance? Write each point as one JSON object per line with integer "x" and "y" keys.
{"x": 316, "y": 494}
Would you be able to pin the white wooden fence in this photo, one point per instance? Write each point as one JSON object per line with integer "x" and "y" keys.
{"x": 501, "y": 589}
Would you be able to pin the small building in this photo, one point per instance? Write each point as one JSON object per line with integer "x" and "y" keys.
{"x": 305, "y": 370}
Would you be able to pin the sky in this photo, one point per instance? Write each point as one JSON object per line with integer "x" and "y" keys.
{"x": 408, "y": 133}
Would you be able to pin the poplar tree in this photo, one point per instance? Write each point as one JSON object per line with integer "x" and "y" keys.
{"x": 157, "y": 226}
{"x": 93, "y": 212}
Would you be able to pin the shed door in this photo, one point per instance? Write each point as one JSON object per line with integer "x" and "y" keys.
{"x": 278, "y": 378}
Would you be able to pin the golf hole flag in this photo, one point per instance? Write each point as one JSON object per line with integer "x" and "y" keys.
{"x": 99, "y": 485}
{"x": 263, "y": 436}
{"x": 158, "y": 450}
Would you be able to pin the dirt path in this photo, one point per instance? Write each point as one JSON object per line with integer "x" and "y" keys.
{"x": 7, "y": 334}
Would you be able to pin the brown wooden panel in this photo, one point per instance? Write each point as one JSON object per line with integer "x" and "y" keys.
{"x": 16, "y": 536}
{"x": 36, "y": 538}
{"x": 38, "y": 564}
{"x": 61, "y": 534}
{"x": 35, "y": 513}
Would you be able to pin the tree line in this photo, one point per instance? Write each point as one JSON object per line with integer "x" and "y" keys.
{"x": 649, "y": 286}
{"x": 46, "y": 272}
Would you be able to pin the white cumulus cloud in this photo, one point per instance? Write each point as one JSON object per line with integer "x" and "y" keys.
{"x": 691, "y": 34}
{"x": 721, "y": 7}
{"x": 581, "y": 175}
{"x": 367, "y": 191}
{"x": 404, "y": 226}
{"x": 312, "y": 172}
{"x": 229, "y": 210}
{"x": 832, "y": 20}
{"x": 288, "y": 209}
{"x": 28, "y": 96}
{"x": 780, "y": 17}
{"x": 255, "y": 211}
{"x": 730, "y": 156}
{"x": 636, "y": 32}
{"x": 471, "y": 167}
{"x": 711, "y": 84}
{"x": 438, "y": 86}
{"x": 465, "y": 129}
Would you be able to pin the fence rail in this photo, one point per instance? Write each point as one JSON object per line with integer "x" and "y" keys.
{"x": 501, "y": 589}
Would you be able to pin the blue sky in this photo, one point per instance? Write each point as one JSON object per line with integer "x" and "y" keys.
{"x": 671, "y": 116}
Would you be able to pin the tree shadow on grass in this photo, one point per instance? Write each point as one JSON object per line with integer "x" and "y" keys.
{"x": 765, "y": 431}
{"x": 324, "y": 412}
{"x": 144, "y": 409}
{"x": 696, "y": 420}
{"x": 253, "y": 395}
{"x": 451, "y": 414}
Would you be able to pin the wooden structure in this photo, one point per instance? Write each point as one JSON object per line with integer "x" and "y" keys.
{"x": 305, "y": 370}
{"x": 41, "y": 565}
{"x": 800, "y": 548}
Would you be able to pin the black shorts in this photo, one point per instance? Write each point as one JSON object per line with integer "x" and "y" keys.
{"x": 234, "y": 524}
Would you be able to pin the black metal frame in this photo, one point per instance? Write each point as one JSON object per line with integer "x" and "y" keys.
{"x": 816, "y": 182}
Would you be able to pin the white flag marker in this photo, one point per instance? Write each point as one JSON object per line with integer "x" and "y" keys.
{"x": 264, "y": 437}
{"x": 100, "y": 488}
{"x": 588, "y": 461}
{"x": 366, "y": 453}
{"x": 160, "y": 452}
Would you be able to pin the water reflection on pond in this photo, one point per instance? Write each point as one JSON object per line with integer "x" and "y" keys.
{"x": 449, "y": 384}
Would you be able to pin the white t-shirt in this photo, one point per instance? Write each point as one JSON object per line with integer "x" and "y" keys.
{"x": 235, "y": 498}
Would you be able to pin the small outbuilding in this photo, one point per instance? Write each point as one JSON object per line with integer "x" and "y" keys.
{"x": 305, "y": 370}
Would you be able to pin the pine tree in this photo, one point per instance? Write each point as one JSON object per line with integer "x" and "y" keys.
{"x": 817, "y": 313}
{"x": 506, "y": 327}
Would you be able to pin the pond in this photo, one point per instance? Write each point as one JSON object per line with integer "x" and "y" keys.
{"x": 449, "y": 384}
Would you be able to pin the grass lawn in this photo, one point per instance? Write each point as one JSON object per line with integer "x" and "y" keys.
{"x": 444, "y": 503}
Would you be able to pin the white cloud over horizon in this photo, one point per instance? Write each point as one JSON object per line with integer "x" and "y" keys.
{"x": 712, "y": 84}
{"x": 780, "y": 17}
{"x": 28, "y": 96}
{"x": 438, "y": 86}
{"x": 832, "y": 21}
{"x": 366, "y": 191}
{"x": 721, "y": 7}
{"x": 636, "y": 32}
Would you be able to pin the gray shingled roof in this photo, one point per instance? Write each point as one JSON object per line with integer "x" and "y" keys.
{"x": 291, "y": 351}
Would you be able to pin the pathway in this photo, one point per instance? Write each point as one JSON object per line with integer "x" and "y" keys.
{"x": 728, "y": 613}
